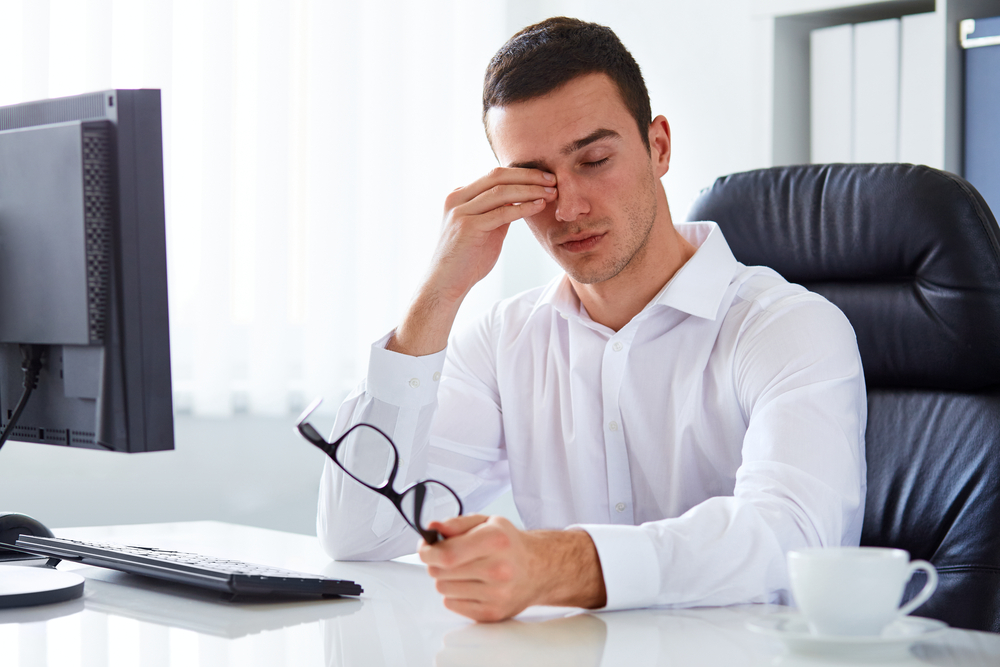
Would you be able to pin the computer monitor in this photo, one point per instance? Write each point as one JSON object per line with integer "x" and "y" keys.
{"x": 83, "y": 274}
{"x": 84, "y": 339}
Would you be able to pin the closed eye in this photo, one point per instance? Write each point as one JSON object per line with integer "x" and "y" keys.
{"x": 597, "y": 163}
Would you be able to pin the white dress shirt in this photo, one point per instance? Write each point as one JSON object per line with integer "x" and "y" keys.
{"x": 720, "y": 428}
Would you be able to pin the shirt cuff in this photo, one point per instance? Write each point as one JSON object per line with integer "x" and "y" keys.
{"x": 629, "y": 564}
{"x": 399, "y": 379}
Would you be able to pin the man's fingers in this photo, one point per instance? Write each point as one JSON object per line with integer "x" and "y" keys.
{"x": 483, "y": 571}
{"x": 462, "y": 589}
{"x": 502, "y": 215}
{"x": 477, "y": 611}
{"x": 473, "y": 233}
{"x": 505, "y": 195}
{"x": 467, "y": 539}
{"x": 458, "y": 525}
{"x": 465, "y": 567}
{"x": 500, "y": 176}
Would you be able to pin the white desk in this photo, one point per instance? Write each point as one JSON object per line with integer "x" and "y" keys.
{"x": 128, "y": 620}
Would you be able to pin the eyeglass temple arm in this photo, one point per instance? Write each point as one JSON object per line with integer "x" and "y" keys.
{"x": 309, "y": 432}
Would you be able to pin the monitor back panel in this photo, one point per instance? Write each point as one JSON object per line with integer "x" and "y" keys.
{"x": 105, "y": 382}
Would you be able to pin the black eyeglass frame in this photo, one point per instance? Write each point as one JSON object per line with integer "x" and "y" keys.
{"x": 309, "y": 432}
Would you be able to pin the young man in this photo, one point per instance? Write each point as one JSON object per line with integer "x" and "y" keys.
{"x": 671, "y": 421}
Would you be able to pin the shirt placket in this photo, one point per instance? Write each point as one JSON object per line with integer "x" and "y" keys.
{"x": 619, "y": 477}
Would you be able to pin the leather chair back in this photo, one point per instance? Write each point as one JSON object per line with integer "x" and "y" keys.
{"x": 912, "y": 256}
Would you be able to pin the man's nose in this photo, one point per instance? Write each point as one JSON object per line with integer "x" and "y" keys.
{"x": 570, "y": 201}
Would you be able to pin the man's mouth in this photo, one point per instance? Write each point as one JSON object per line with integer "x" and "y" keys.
{"x": 582, "y": 243}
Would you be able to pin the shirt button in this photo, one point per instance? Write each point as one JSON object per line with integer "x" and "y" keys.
{"x": 414, "y": 382}
{"x": 436, "y": 377}
{"x": 617, "y": 347}
{"x": 620, "y": 507}
{"x": 613, "y": 426}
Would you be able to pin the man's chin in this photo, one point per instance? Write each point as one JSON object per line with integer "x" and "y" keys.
{"x": 590, "y": 275}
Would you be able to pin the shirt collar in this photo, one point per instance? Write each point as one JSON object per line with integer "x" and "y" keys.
{"x": 559, "y": 294}
{"x": 697, "y": 288}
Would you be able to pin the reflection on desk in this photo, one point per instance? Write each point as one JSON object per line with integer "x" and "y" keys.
{"x": 204, "y": 612}
{"x": 400, "y": 620}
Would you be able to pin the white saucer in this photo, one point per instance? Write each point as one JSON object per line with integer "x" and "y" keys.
{"x": 791, "y": 629}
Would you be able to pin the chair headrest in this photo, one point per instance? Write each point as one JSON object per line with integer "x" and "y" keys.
{"x": 909, "y": 253}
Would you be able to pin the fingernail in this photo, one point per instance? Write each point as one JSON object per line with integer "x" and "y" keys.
{"x": 548, "y": 189}
{"x": 548, "y": 176}
{"x": 539, "y": 201}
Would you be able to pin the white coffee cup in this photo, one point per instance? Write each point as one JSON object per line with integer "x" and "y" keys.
{"x": 854, "y": 590}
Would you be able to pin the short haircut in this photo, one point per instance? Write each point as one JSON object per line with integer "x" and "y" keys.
{"x": 543, "y": 57}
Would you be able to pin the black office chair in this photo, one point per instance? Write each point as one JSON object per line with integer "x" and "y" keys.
{"x": 912, "y": 257}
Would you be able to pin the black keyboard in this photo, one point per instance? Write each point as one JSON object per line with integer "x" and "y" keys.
{"x": 229, "y": 576}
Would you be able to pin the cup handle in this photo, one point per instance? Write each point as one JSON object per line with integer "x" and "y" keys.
{"x": 926, "y": 591}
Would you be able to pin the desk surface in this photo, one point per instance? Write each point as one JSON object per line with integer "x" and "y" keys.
{"x": 128, "y": 620}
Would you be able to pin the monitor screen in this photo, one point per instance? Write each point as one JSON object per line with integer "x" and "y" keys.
{"x": 83, "y": 273}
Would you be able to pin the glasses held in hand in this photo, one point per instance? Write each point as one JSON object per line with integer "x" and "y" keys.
{"x": 370, "y": 457}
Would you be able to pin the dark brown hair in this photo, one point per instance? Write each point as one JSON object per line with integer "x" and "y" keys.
{"x": 544, "y": 56}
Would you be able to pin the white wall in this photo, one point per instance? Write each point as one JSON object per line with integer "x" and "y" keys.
{"x": 245, "y": 469}
{"x": 707, "y": 67}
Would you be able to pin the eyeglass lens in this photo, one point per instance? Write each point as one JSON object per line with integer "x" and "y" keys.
{"x": 429, "y": 501}
{"x": 367, "y": 455}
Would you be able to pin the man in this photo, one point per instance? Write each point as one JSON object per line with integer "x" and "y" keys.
{"x": 671, "y": 421}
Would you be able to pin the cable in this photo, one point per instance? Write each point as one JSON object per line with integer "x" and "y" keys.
{"x": 31, "y": 364}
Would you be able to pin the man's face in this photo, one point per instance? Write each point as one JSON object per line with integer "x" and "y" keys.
{"x": 606, "y": 181}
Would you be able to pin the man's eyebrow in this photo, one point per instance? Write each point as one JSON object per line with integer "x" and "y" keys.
{"x": 570, "y": 148}
{"x": 596, "y": 135}
{"x": 532, "y": 164}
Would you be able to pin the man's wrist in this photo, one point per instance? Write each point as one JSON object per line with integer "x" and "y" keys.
{"x": 426, "y": 326}
{"x": 568, "y": 563}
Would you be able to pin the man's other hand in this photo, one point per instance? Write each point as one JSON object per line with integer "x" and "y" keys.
{"x": 489, "y": 570}
{"x": 476, "y": 220}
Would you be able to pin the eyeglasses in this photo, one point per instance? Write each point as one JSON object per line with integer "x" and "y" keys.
{"x": 370, "y": 457}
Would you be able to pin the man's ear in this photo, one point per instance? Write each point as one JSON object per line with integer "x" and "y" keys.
{"x": 659, "y": 145}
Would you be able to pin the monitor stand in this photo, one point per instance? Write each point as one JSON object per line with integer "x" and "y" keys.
{"x": 22, "y": 586}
